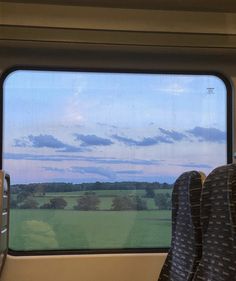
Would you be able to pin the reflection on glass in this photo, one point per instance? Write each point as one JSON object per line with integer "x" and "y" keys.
{"x": 93, "y": 156}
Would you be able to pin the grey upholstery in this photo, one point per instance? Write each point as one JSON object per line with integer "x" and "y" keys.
{"x": 4, "y": 216}
{"x": 218, "y": 219}
{"x": 185, "y": 252}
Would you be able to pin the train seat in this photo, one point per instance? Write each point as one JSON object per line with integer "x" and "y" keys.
{"x": 218, "y": 220}
{"x": 185, "y": 251}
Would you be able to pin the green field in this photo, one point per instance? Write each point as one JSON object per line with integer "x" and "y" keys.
{"x": 65, "y": 229}
{"x": 36, "y": 229}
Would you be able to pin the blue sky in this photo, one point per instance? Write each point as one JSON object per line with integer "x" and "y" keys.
{"x": 86, "y": 127}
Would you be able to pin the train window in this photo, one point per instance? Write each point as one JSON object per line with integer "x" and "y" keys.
{"x": 93, "y": 155}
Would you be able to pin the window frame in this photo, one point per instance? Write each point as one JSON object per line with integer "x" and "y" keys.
{"x": 229, "y": 142}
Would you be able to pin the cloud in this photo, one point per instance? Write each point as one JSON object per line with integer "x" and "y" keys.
{"x": 106, "y": 125}
{"x": 124, "y": 140}
{"x": 176, "y": 136}
{"x": 95, "y": 170}
{"x": 208, "y": 134}
{"x": 148, "y": 141}
{"x": 130, "y": 172}
{"x": 126, "y": 161}
{"x": 174, "y": 89}
{"x": 71, "y": 148}
{"x": 23, "y": 142}
{"x": 46, "y": 141}
{"x": 193, "y": 165}
{"x": 161, "y": 139}
{"x": 37, "y": 157}
{"x": 60, "y": 158}
{"x": 51, "y": 169}
{"x": 90, "y": 140}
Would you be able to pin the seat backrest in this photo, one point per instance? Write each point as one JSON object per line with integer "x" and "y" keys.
{"x": 218, "y": 220}
{"x": 185, "y": 252}
{"x": 4, "y": 216}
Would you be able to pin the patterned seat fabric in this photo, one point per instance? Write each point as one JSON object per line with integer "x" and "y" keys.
{"x": 218, "y": 220}
{"x": 185, "y": 252}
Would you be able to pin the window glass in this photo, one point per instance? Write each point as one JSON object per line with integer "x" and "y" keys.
{"x": 93, "y": 156}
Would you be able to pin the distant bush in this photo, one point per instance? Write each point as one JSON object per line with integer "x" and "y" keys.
{"x": 88, "y": 202}
{"x": 126, "y": 203}
{"x": 23, "y": 195}
{"x": 140, "y": 204}
{"x": 29, "y": 203}
{"x": 90, "y": 193}
{"x": 150, "y": 193}
{"x": 58, "y": 203}
{"x": 46, "y": 206}
{"x": 55, "y": 203}
{"x": 13, "y": 204}
{"x": 163, "y": 201}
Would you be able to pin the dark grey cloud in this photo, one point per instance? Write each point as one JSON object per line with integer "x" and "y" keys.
{"x": 208, "y": 134}
{"x": 107, "y": 173}
{"x": 148, "y": 141}
{"x": 130, "y": 172}
{"x": 127, "y": 161}
{"x": 92, "y": 140}
{"x": 173, "y": 135}
{"x": 163, "y": 139}
{"x": 124, "y": 140}
{"x": 39, "y": 157}
{"x": 52, "y": 169}
{"x": 194, "y": 165}
{"x": 106, "y": 125}
{"x": 28, "y": 156}
{"x": 24, "y": 142}
{"x": 71, "y": 148}
{"x": 63, "y": 157}
{"x": 46, "y": 141}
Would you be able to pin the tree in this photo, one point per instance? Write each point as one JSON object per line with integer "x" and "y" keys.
{"x": 162, "y": 201}
{"x": 46, "y": 206}
{"x": 166, "y": 185}
{"x": 122, "y": 203}
{"x": 126, "y": 203}
{"x": 55, "y": 203}
{"x": 23, "y": 195}
{"x": 88, "y": 202}
{"x": 13, "y": 204}
{"x": 97, "y": 185}
{"x": 58, "y": 203}
{"x": 140, "y": 204}
{"x": 39, "y": 190}
{"x": 150, "y": 193}
{"x": 29, "y": 203}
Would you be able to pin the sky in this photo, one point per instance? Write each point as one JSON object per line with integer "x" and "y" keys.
{"x": 87, "y": 127}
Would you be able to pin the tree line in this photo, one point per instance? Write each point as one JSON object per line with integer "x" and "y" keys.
{"x": 91, "y": 202}
{"x": 71, "y": 187}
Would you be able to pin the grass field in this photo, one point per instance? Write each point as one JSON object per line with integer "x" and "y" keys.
{"x": 68, "y": 229}
{"x": 48, "y": 229}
